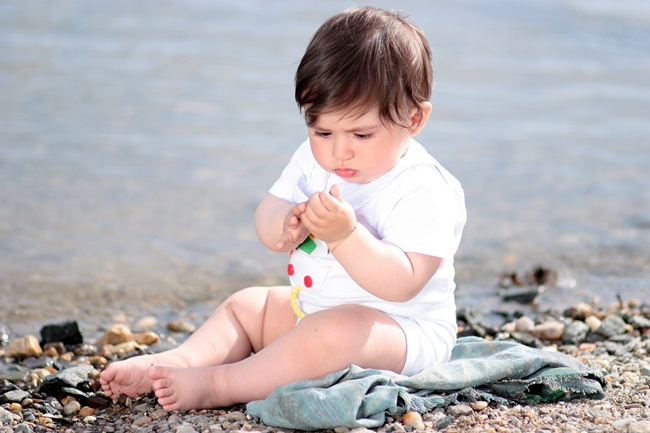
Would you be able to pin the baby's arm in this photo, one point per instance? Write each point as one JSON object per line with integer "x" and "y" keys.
{"x": 380, "y": 268}
{"x": 278, "y": 223}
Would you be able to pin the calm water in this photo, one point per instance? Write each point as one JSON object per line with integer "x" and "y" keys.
{"x": 136, "y": 139}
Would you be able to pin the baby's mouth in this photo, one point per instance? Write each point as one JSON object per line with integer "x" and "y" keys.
{"x": 345, "y": 172}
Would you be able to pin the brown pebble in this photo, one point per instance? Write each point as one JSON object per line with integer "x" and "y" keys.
{"x": 117, "y": 334}
{"x": 479, "y": 405}
{"x": 143, "y": 420}
{"x": 86, "y": 411}
{"x": 51, "y": 352}
{"x": 147, "y": 338}
{"x": 548, "y": 331}
{"x": 411, "y": 417}
{"x": 14, "y": 407}
{"x": 68, "y": 356}
{"x": 24, "y": 347}
{"x": 180, "y": 326}
{"x": 27, "y": 402}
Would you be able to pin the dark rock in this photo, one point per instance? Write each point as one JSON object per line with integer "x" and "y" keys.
{"x": 67, "y": 333}
{"x": 98, "y": 401}
{"x": 6, "y": 386}
{"x": 575, "y": 332}
{"x": 15, "y": 396}
{"x": 85, "y": 350}
{"x": 444, "y": 422}
{"x": 41, "y": 362}
{"x": 80, "y": 396}
{"x": 522, "y": 296}
{"x": 528, "y": 339}
{"x": 46, "y": 408}
{"x": 71, "y": 377}
{"x": 611, "y": 326}
{"x": 541, "y": 275}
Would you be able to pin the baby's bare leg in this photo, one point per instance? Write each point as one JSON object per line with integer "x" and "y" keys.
{"x": 322, "y": 343}
{"x": 229, "y": 335}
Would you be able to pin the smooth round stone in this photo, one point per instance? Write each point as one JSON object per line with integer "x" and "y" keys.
{"x": 180, "y": 326}
{"x": 639, "y": 427}
{"x": 146, "y": 322}
{"x": 524, "y": 324}
{"x": 24, "y": 347}
{"x": 548, "y": 330}
{"x": 593, "y": 322}
{"x": 459, "y": 410}
{"x": 411, "y": 417}
{"x": 479, "y": 405}
{"x": 622, "y": 423}
{"x": 71, "y": 408}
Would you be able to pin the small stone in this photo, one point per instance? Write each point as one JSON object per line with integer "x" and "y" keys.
{"x": 117, "y": 334}
{"x": 86, "y": 411}
{"x": 23, "y": 428}
{"x": 639, "y": 322}
{"x": 51, "y": 352}
{"x": 143, "y": 420}
{"x": 58, "y": 346}
{"x": 24, "y": 347}
{"x": 645, "y": 370}
{"x": 75, "y": 377}
{"x": 551, "y": 330}
{"x": 6, "y": 418}
{"x": 524, "y": 324}
{"x": 444, "y": 422}
{"x": 411, "y": 417}
{"x": 459, "y": 410}
{"x": 611, "y": 326}
{"x": 478, "y": 405}
{"x": 147, "y": 338}
{"x": 186, "y": 429}
{"x": 122, "y": 348}
{"x": 15, "y": 407}
{"x": 639, "y": 427}
{"x": 341, "y": 430}
{"x": 71, "y": 408}
{"x": 90, "y": 419}
{"x": 622, "y": 423}
{"x": 593, "y": 322}
{"x": 15, "y": 396}
{"x": 180, "y": 326}
{"x": 576, "y": 332}
{"x": 158, "y": 413}
{"x": 146, "y": 322}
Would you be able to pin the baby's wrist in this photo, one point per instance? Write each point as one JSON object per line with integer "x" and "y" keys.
{"x": 334, "y": 245}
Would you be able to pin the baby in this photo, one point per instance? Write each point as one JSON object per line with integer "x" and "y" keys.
{"x": 371, "y": 223}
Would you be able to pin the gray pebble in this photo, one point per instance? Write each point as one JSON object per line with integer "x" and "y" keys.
{"x": 645, "y": 370}
{"x": 444, "y": 422}
{"x": 23, "y": 428}
{"x": 459, "y": 410}
{"x": 15, "y": 396}
{"x": 611, "y": 326}
{"x": 6, "y": 418}
{"x": 576, "y": 332}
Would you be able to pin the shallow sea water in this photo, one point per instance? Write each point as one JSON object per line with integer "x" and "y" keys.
{"x": 136, "y": 139}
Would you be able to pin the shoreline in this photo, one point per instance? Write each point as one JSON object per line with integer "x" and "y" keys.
{"x": 613, "y": 339}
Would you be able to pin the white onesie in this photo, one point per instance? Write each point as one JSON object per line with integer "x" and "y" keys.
{"x": 419, "y": 207}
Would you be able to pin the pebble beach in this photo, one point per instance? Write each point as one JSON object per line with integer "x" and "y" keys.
{"x": 48, "y": 385}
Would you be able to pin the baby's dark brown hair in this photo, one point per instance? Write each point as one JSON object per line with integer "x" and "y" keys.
{"x": 365, "y": 58}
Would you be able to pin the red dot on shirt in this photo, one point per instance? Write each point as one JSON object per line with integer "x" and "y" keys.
{"x": 290, "y": 269}
{"x": 308, "y": 281}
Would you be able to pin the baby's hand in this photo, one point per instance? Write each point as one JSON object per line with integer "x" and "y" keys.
{"x": 294, "y": 232}
{"x": 328, "y": 216}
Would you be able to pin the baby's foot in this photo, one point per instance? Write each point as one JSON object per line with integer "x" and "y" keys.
{"x": 129, "y": 377}
{"x": 187, "y": 388}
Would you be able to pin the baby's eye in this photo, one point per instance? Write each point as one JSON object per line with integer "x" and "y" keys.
{"x": 363, "y": 136}
{"x": 322, "y": 134}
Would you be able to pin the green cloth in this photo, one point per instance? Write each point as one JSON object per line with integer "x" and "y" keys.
{"x": 501, "y": 371}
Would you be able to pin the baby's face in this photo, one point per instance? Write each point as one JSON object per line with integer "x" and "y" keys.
{"x": 357, "y": 148}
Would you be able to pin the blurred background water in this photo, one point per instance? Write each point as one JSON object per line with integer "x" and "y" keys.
{"x": 137, "y": 138}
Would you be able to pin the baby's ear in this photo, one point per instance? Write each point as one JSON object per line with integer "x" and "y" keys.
{"x": 419, "y": 117}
